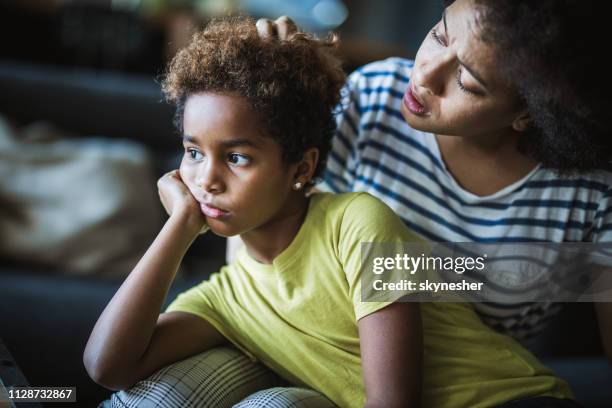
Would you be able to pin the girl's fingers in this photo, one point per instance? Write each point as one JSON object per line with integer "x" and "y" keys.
{"x": 176, "y": 174}
{"x": 285, "y": 27}
{"x": 173, "y": 175}
{"x": 266, "y": 28}
{"x": 169, "y": 174}
{"x": 173, "y": 192}
{"x": 171, "y": 181}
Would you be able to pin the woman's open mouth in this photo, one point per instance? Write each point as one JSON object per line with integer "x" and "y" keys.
{"x": 212, "y": 211}
{"x": 412, "y": 104}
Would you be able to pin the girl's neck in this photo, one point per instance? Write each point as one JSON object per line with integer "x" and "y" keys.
{"x": 267, "y": 241}
{"x": 484, "y": 165}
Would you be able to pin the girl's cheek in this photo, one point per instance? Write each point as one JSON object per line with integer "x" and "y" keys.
{"x": 183, "y": 170}
{"x": 187, "y": 174}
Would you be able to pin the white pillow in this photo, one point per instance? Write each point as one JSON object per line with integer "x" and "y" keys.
{"x": 84, "y": 206}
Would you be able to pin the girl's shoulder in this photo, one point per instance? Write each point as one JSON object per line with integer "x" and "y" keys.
{"x": 358, "y": 202}
{"x": 359, "y": 214}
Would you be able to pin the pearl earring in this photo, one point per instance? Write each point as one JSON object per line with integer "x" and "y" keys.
{"x": 297, "y": 186}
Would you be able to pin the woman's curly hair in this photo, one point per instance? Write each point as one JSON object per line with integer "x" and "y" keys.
{"x": 550, "y": 51}
{"x": 293, "y": 85}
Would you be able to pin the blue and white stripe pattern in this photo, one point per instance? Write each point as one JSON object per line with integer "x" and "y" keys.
{"x": 376, "y": 151}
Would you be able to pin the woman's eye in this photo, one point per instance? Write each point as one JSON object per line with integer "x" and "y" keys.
{"x": 238, "y": 159}
{"x": 437, "y": 37}
{"x": 194, "y": 154}
{"x": 462, "y": 86}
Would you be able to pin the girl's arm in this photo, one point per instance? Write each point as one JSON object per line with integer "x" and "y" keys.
{"x": 131, "y": 340}
{"x": 391, "y": 342}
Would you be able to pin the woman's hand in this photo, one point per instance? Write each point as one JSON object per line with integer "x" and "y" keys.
{"x": 179, "y": 202}
{"x": 281, "y": 28}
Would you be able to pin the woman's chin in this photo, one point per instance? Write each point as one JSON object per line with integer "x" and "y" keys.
{"x": 415, "y": 121}
{"x": 422, "y": 123}
{"x": 419, "y": 123}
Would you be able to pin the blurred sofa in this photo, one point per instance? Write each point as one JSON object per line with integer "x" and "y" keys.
{"x": 46, "y": 316}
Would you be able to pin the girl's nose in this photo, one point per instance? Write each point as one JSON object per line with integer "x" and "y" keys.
{"x": 209, "y": 178}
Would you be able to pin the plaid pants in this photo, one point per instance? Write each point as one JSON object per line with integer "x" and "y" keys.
{"x": 221, "y": 377}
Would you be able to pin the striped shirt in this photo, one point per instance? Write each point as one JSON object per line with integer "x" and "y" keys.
{"x": 375, "y": 150}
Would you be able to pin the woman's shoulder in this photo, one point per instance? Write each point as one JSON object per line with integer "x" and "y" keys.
{"x": 374, "y": 99}
{"x": 594, "y": 182}
{"x": 392, "y": 64}
{"x": 388, "y": 71}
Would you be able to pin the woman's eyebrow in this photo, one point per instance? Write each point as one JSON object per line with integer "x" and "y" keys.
{"x": 468, "y": 69}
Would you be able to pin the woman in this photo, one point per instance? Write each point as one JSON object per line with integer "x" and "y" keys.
{"x": 474, "y": 143}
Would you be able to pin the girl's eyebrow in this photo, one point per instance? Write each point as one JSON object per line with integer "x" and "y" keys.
{"x": 189, "y": 139}
{"x": 239, "y": 142}
{"x": 226, "y": 143}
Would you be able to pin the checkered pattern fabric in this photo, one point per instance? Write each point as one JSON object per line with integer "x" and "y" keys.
{"x": 285, "y": 397}
{"x": 222, "y": 377}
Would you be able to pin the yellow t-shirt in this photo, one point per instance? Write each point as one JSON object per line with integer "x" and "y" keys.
{"x": 299, "y": 316}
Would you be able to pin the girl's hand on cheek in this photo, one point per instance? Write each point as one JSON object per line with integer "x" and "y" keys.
{"x": 179, "y": 202}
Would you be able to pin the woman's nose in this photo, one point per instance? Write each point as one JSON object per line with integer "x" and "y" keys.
{"x": 209, "y": 178}
{"x": 433, "y": 73}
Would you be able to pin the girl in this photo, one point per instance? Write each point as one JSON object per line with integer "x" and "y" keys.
{"x": 256, "y": 122}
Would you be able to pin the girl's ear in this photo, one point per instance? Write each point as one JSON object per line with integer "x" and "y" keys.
{"x": 307, "y": 166}
{"x": 522, "y": 122}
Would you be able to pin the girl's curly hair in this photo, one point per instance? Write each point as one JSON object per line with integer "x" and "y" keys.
{"x": 293, "y": 85}
{"x": 550, "y": 52}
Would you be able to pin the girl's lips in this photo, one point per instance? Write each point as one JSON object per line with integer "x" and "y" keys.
{"x": 412, "y": 104}
{"x": 212, "y": 212}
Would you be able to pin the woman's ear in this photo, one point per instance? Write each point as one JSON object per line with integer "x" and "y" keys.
{"x": 307, "y": 166}
{"x": 521, "y": 122}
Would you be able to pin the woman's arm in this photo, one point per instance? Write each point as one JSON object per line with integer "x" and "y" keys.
{"x": 392, "y": 356}
{"x": 130, "y": 339}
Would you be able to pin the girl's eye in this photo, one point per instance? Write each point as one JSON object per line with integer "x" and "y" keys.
{"x": 194, "y": 154}
{"x": 437, "y": 37}
{"x": 238, "y": 159}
